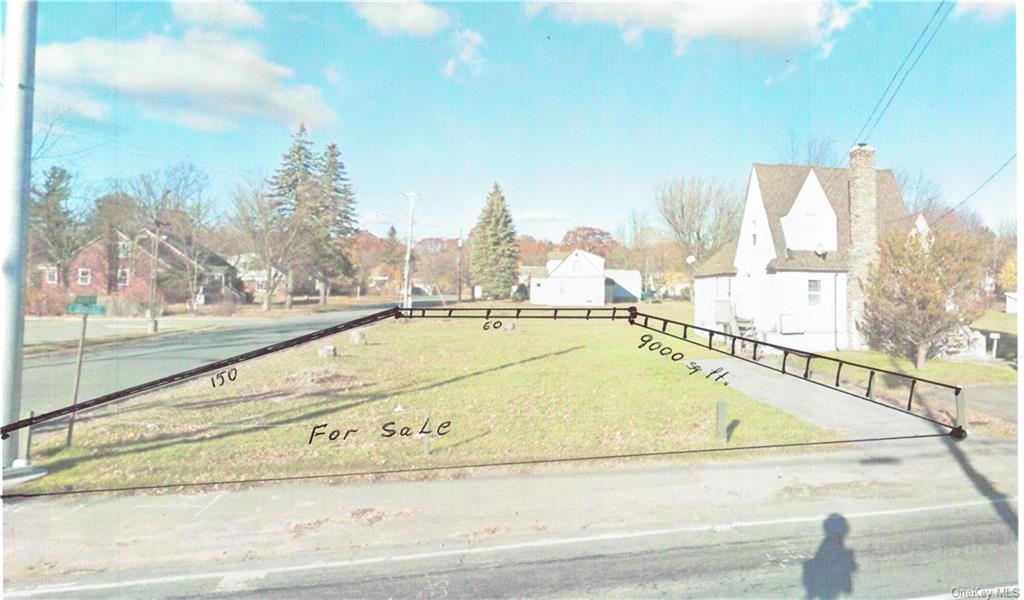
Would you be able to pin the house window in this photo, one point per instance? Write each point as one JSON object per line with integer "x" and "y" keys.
{"x": 51, "y": 276}
{"x": 122, "y": 277}
{"x": 124, "y": 249}
{"x": 84, "y": 276}
{"x": 754, "y": 237}
{"x": 813, "y": 292}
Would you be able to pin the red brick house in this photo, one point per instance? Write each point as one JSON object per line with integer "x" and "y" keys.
{"x": 123, "y": 269}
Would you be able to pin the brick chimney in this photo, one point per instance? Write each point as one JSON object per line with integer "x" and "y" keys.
{"x": 863, "y": 235}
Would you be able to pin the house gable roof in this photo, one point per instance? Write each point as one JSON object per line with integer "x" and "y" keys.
{"x": 722, "y": 262}
{"x": 780, "y": 184}
{"x": 595, "y": 261}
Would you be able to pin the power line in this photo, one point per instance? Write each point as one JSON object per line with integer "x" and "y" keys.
{"x": 898, "y": 69}
{"x": 977, "y": 189}
{"x": 908, "y": 71}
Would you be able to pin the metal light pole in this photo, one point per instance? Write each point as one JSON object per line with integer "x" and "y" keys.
{"x": 15, "y": 178}
{"x": 458, "y": 273}
{"x": 153, "y": 257}
{"x": 406, "y": 283}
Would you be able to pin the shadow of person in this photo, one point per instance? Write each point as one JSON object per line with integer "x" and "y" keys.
{"x": 830, "y": 572}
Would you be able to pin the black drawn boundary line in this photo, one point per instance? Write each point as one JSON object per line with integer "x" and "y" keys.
{"x": 183, "y": 376}
{"x": 536, "y": 461}
{"x": 495, "y": 312}
{"x": 791, "y": 374}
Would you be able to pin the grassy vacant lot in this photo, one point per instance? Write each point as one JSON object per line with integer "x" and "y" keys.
{"x": 545, "y": 389}
{"x": 999, "y": 321}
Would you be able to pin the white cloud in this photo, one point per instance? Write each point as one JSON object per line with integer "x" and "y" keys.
{"x": 469, "y": 42}
{"x": 984, "y": 11}
{"x": 204, "y": 80}
{"x": 51, "y": 102}
{"x": 218, "y": 13}
{"x": 755, "y": 24}
{"x": 413, "y": 17}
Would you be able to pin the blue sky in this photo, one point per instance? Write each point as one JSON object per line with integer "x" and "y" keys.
{"x": 579, "y": 111}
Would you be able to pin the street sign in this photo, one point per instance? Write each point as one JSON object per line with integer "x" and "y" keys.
{"x": 81, "y": 309}
{"x": 85, "y": 300}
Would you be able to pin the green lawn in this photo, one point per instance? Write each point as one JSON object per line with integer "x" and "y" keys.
{"x": 997, "y": 321}
{"x": 547, "y": 389}
{"x": 946, "y": 371}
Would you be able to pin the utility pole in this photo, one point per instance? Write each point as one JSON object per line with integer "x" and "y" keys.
{"x": 15, "y": 178}
{"x": 458, "y": 272}
{"x": 406, "y": 283}
{"x": 151, "y": 311}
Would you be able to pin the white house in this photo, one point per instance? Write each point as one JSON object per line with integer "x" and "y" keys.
{"x": 807, "y": 238}
{"x": 578, "y": 278}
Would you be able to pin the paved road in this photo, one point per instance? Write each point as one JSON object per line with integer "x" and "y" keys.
{"x": 921, "y": 519}
{"x": 63, "y": 329}
{"x": 47, "y": 380}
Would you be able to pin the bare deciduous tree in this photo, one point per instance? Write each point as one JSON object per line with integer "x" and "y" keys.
{"x": 815, "y": 151}
{"x": 701, "y": 214}
{"x": 272, "y": 235}
{"x": 920, "y": 194}
{"x": 637, "y": 237}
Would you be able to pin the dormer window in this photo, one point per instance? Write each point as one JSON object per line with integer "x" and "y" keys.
{"x": 753, "y": 238}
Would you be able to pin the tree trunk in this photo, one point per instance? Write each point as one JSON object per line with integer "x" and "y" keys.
{"x": 288, "y": 292}
{"x": 323, "y": 293}
{"x": 921, "y": 354}
{"x": 268, "y": 291}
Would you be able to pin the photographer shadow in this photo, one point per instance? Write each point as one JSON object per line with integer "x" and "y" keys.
{"x": 830, "y": 573}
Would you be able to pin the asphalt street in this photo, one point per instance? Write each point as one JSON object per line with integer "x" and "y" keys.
{"x": 47, "y": 380}
{"x": 899, "y": 519}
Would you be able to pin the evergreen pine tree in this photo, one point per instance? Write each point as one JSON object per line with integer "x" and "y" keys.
{"x": 330, "y": 221}
{"x": 292, "y": 191}
{"x": 392, "y": 249}
{"x": 296, "y": 167}
{"x": 494, "y": 253}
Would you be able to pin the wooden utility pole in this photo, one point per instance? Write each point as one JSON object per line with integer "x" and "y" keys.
{"x": 78, "y": 376}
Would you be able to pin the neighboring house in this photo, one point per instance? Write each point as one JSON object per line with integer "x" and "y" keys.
{"x": 1011, "y": 302}
{"x": 215, "y": 276}
{"x": 578, "y": 278}
{"x": 100, "y": 269}
{"x": 807, "y": 238}
{"x": 251, "y": 273}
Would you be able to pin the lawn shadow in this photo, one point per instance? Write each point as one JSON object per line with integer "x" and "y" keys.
{"x": 830, "y": 573}
{"x": 730, "y": 428}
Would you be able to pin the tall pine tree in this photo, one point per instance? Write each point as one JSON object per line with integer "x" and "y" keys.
{"x": 291, "y": 189}
{"x": 494, "y": 253}
{"x": 330, "y": 221}
{"x": 296, "y": 168}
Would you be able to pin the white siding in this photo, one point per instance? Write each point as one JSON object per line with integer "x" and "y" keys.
{"x": 576, "y": 281}
{"x": 707, "y": 292}
{"x": 754, "y": 250}
{"x": 811, "y": 222}
{"x": 801, "y": 324}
